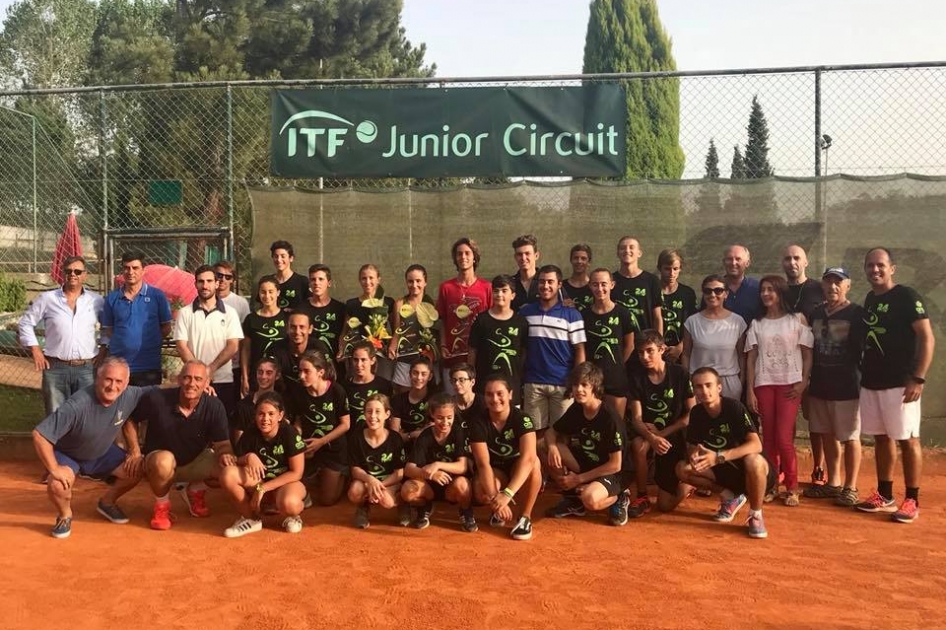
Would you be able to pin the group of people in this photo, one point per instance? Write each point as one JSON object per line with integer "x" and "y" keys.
{"x": 596, "y": 385}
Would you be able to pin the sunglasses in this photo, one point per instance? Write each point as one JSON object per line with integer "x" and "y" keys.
{"x": 73, "y": 272}
{"x": 714, "y": 290}
{"x": 224, "y": 276}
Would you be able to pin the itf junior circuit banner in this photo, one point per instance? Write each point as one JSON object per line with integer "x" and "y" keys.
{"x": 449, "y": 132}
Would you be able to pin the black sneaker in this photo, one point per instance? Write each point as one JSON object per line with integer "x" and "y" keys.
{"x": 495, "y": 521}
{"x": 405, "y": 515}
{"x": 639, "y": 506}
{"x": 617, "y": 513}
{"x": 567, "y": 506}
{"x": 112, "y": 513}
{"x": 361, "y": 517}
{"x": 468, "y": 521}
{"x": 422, "y": 520}
{"x": 62, "y": 528}
{"x": 523, "y": 529}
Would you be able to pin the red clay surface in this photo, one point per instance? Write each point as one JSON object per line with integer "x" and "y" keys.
{"x": 822, "y": 567}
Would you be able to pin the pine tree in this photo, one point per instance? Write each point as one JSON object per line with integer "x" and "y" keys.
{"x": 627, "y": 36}
{"x": 738, "y": 168}
{"x": 757, "y": 148}
{"x": 712, "y": 161}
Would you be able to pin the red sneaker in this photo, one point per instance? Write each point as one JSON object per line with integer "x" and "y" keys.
{"x": 161, "y": 519}
{"x": 196, "y": 503}
{"x": 909, "y": 511}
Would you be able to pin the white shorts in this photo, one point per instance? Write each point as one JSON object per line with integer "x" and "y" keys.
{"x": 402, "y": 374}
{"x": 545, "y": 404}
{"x": 732, "y": 386}
{"x": 883, "y": 412}
{"x": 839, "y": 418}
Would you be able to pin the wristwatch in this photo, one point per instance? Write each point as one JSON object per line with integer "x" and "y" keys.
{"x": 720, "y": 458}
{"x": 917, "y": 379}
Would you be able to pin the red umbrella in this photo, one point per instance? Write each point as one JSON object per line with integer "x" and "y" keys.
{"x": 67, "y": 245}
{"x": 177, "y": 284}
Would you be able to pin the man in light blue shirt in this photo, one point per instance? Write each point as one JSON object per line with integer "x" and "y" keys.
{"x": 69, "y": 316}
{"x": 135, "y": 320}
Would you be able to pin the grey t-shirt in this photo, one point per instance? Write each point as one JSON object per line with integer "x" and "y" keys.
{"x": 83, "y": 428}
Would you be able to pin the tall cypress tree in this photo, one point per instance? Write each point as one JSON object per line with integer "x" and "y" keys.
{"x": 757, "y": 147}
{"x": 712, "y": 161}
{"x": 738, "y": 167}
{"x": 627, "y": 36}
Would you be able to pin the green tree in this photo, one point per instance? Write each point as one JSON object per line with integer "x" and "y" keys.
{"x": 757, "y": 147}
{"x": 712, "y": 161}
{"x": 737, "y": 169}
{"x": 627, "y": 36}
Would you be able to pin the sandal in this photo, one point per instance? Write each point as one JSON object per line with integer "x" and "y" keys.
{"x": 792, "y": 499}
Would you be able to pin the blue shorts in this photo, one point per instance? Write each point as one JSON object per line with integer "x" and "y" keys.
{"x": 100, "y": 468}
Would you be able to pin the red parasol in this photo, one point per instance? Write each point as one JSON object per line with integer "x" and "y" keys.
{"x": 177, "y": 284}
{"x": 67, "y": 245}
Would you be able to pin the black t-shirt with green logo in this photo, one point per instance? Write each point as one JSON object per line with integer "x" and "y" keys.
{"x": 593, "y": 441}
{"x": 605, "y": 333}
{"x": 581, "y": 297}
{"x": 503, "y": 444}
{"x": 413, "y": 415}
{"x": 499, "y": 345}
{"x": 320, "y": 415}
{"x": 662, "y": 403}
{"x": 727, "y": 430}
{"x": 380, "y": 461}
{"x": 327, "y": 323}
{"x": 358, "y": 394}
{"x": 264, "y": 333}
{"x": 676, "y": 308}
{"x": 294, "y": 292}
{"x": 639, "y": 296}
{"x": 890, "y": 344}
{"x": 427, "y": 450}
{"x": 276, "y": 452}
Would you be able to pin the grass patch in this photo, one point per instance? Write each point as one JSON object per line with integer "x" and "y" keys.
{"x": 22, "y": 409}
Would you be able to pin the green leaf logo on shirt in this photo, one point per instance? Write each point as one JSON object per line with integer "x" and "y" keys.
{"x": 919, "y": 308}
{"x": 526, "y": 423}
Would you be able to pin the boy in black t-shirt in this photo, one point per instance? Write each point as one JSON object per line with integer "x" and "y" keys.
{"x": 437, "y": 467}
{"x": 635, "y": 289}
{"x": 587, "y": 449}
{"x": 660, "y": 401}
{"x": 293, "y": 287}
{"x": 269, "y": 459}
{"x": 377, "y": 459}
{"x": 504, "y": 448}
{"x": 724, "y": 453}
{"x": 498, "y": 339}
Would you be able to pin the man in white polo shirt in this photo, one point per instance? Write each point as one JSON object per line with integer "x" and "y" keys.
{"x": 210, "y": 332}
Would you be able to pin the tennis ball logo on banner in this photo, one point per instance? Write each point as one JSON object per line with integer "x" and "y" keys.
{"x": 576, "y": 131}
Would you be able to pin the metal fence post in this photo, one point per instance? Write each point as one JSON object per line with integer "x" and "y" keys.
{"x": 820, "y": 210}
{"x": 35, "y": 205}
{"x": 231, "y": 247}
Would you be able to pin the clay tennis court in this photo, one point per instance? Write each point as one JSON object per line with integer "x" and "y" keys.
{"x": 822, "y": 567}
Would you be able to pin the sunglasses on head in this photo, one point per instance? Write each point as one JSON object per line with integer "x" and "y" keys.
{"x": 224, "y": 276}
{"x": 714, "y": 290}
{"x": 73, "y": 272}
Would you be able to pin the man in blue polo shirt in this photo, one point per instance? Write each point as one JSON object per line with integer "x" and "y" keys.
{"x": 743, "y": 298}
{"x": 136, "y": 318}
{"x": 556, "y": 344}
{"x": 183, "y": 423}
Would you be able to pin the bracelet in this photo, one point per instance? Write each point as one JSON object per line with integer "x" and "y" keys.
{"x": 509, "y": 493}
{"x": 918, "y": 380}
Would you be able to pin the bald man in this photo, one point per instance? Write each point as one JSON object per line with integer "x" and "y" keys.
{"x": 743, "y": 298}
{"x": 804, "y": 293}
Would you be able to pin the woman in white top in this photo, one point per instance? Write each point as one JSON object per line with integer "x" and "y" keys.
{"x": 714, "y": 338}
{"x": 778, "y": 345}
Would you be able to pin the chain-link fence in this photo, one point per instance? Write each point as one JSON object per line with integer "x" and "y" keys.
{"x": 182, "y": 172}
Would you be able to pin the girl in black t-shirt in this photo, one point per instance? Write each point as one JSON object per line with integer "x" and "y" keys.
{"x": 268, "y": 374}
{"x": 415, "y": 315}
{"x": 262, "y": 330}
{"x": 320, "y": 414}
{"x": 267, "y": 469}
{"x": 368, "y": 316}
{"x": 377, "y": 462}
{"x": 437, "y": 466}
{"x": 409, "y": 409}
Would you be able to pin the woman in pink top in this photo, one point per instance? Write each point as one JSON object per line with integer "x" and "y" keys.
{"x": 778, "y": 345}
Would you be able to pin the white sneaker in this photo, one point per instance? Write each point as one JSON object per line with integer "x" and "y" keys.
{"x": 242, "y": 527}
{"x": 292, "y": 524}
{"x": 307, "y": 501}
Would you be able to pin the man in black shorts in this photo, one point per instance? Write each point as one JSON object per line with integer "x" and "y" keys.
{"x": 661, "y": 398}
{"x": 183, "y": 423}
{"x": 725, "y": 453}
{"x": 587, "y": 451}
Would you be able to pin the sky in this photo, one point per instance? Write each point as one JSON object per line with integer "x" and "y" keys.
{"x": 535, "y": 37}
